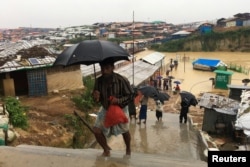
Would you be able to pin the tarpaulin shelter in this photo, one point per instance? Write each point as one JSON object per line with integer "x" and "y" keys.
{"x": 207, "y": 64}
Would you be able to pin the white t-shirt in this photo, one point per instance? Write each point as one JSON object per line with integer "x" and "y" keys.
{"x": 159, "y": 105}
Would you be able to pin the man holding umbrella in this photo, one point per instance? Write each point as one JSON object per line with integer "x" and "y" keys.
{"x": 111, "y": 84}
{"x": 187, "y": 99}
{"x": 184, "y": 111}
{"x": 111, "y": 89}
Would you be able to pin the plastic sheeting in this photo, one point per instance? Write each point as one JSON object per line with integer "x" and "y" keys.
{"x": 207, "y": 62}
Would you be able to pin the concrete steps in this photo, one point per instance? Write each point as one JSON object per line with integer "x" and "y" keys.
{"x": 39, "y": 156}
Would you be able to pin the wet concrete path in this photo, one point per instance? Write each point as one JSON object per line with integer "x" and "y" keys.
{"x": 168, "y": 137}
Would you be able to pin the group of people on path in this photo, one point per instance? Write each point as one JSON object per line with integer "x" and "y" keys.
{"x": 157, "y": 83}
{"x": 142, "y": 114}
{"x": 111, "y": 84}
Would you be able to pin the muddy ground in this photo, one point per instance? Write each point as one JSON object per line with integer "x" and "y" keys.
{"x": 46, "y": 118}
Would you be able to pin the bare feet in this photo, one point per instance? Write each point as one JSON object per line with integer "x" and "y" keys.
{"x": 109, "y": 148}
{"x": 126, "y": 157}
{"x": 128, "y": 152}
{"x": 106, "y": 153}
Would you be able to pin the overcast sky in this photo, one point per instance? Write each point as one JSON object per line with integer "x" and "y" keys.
{"x": 64, "y": 13}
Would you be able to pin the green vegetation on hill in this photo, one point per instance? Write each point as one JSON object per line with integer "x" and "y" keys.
{"x": 231, "y": 40}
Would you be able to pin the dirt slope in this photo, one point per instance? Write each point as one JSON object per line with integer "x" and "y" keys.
{"x": 46, "y": 120}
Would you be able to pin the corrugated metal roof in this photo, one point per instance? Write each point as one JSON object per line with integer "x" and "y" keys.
{"x": 89, "y": 70}
{"x": 219, "y": 103}
{"x": 142, "y": 71}
{"x": 182, "y": 33}
{"x": 239, "y": 87}
{"x": 20, "y": 65}
{"x": 154, "y": 58}
{"x": 11, "y": 48}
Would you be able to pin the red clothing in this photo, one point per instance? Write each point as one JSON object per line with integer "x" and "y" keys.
{"x": 177, "y": 88}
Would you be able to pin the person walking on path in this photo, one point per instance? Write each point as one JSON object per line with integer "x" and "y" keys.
{"x": 213, "y": 82}
{"x": 167, "y": 72}
{"x": 177, "y": 88}
{"x": 143, "y": 109}
{"x": 132, "y": 110}
{"x": 175, "y": 64}
{"x": 159, "y": 110}
{"x": 165, "y": 84}
{"x": 170, "y": 83}
{"x": 155, "y": 83}
{"x": 159, "y": 83}
{"x": 183, "y": 113}
{"x": 171, "y": 67}
{"x": 111, "y": 84}
{"x": 132, "y": 106}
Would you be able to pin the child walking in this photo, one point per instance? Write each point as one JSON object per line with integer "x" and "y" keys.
{"x": 159, "y": 110}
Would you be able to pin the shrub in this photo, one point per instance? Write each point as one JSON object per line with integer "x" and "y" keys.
{"x": 85, "y": 102}
{"x": 17, "y": 112}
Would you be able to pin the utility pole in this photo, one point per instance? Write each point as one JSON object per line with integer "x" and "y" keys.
{"x": 133, "y": 58}
{"x": 184, "y": 62}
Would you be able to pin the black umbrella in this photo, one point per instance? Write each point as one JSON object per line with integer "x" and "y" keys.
{"x": 162, "y": 96}
{"x": 170, "y": 77}
{"x": 90, "y": 52}
{"x": 159, "y": 77}
{"x": 177, "y": 82}
{"x": 149, "y": 91}
{"x": 246, "y": 80}
{"x": 212, "y": 79}
{"x": 188, "y": 98}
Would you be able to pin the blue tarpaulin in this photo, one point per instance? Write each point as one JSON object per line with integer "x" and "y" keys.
{"x": 207, "y": 62}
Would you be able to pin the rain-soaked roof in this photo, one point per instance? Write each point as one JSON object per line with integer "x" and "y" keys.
{"x": 88, "y": 70}
{"x": 153, "y": 58}
{"x": 245, "y": 87}
{"x": 25, "y": 55}
{"x": 142, "y": 71}
{"x": 220, "y": 104}
{"x": 27, "y": 64}
{"x": 11, "y": 48}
